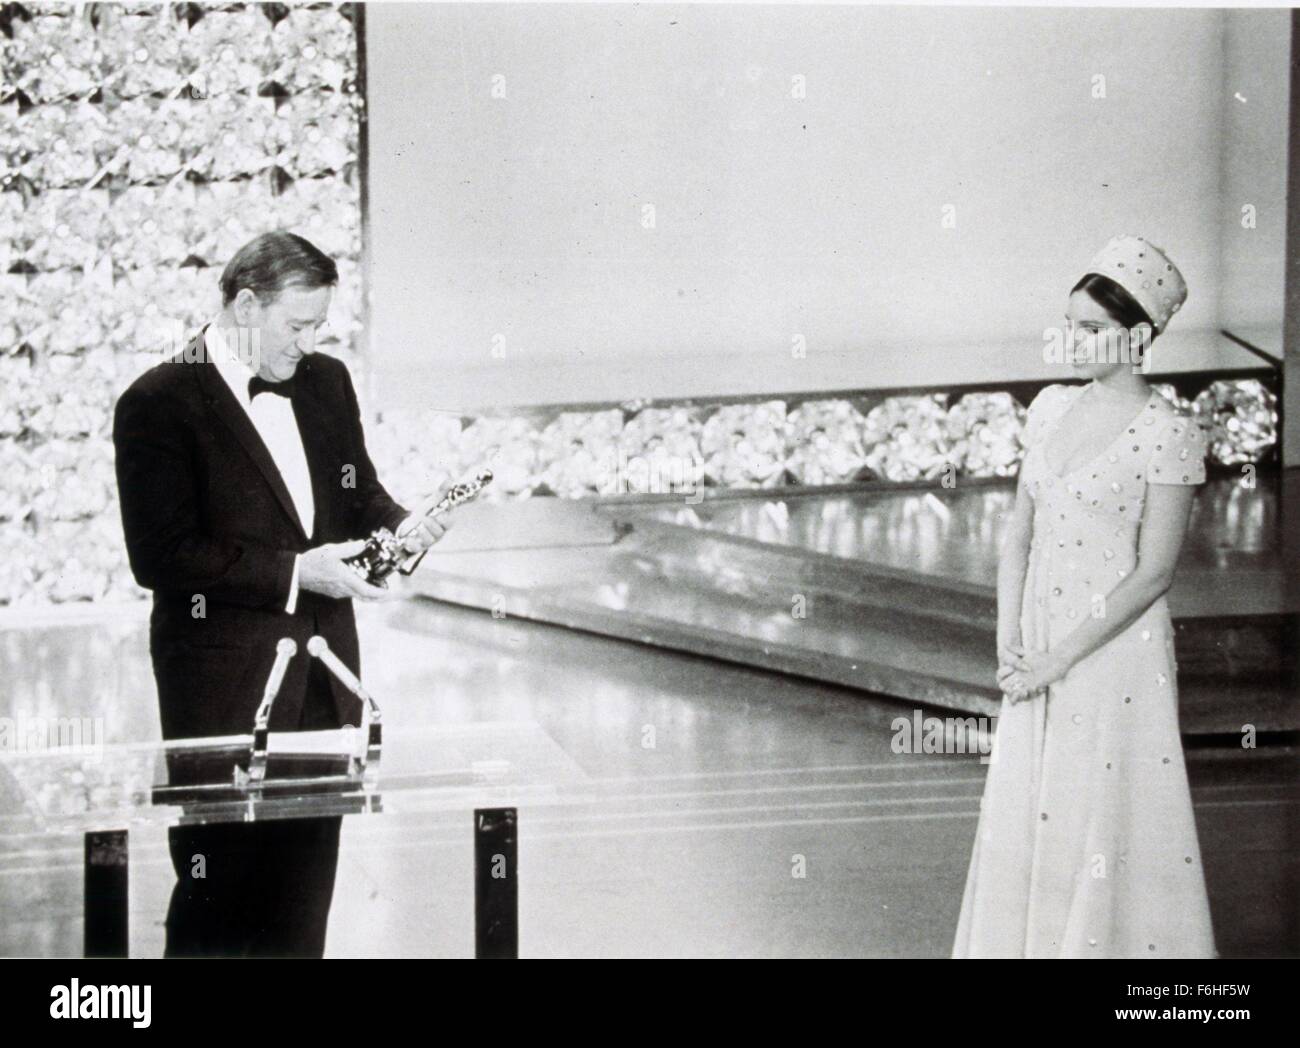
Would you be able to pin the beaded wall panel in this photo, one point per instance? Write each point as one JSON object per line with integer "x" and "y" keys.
{"x": 942, "y": 437}
{"x": 140, "y": 146}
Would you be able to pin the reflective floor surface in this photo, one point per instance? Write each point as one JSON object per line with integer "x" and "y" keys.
{"x": 890, "y": 591}
{"x": 722, "y": 810}
{"x": 955, "y": 535}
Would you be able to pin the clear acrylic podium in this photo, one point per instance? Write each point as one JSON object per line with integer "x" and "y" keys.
{"x": 102, "y": 793}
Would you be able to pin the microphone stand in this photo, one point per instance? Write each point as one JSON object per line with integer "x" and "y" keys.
{"x": 285, "y": 650}
{"x": 369, "y": 763}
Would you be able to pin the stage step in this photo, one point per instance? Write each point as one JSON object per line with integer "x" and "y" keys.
{"x": 744, "y": 565}
{"x": 918, "y": 637}
{"x": 621, "y": 591}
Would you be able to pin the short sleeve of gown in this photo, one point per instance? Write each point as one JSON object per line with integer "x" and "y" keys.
{"x": 1043, "y": 412}
{"x": 1179, "y": 454}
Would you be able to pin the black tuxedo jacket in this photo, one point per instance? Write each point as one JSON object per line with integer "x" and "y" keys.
{"x": 206, "y": 514}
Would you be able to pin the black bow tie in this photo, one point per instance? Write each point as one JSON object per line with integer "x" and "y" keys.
{"x": 257, "y": 384}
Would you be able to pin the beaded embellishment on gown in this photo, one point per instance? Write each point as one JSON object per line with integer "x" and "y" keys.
{"x": 1087, "y": 844}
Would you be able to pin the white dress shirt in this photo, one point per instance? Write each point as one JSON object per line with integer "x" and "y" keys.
{"x": 273, "y": 418}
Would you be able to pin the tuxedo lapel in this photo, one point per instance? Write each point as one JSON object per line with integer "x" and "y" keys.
{"x": 221, "y": 401}
{"x": 310, "y": 414}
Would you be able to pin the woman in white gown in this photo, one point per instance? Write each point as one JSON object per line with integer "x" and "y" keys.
{"x": 1087, "y": 844}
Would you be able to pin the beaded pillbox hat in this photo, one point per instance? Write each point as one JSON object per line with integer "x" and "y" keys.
{"x": 1146, "y": 273}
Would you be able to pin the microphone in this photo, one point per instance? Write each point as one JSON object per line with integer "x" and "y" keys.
{"x": 285, "y": 649}
{"x": 318, "y": 647}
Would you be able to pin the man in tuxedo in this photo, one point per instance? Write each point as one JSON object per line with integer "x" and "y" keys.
{"x": 244, "y": 482}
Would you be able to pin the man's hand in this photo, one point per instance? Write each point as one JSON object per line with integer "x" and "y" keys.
{"x": 322, "y": 571}
{"x": 418, "y": 532}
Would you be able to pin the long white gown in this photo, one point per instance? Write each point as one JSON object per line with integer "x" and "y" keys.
{"x": 1087, "y": 844}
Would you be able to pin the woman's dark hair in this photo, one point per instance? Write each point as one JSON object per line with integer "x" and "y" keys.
{"x": 268, "y": 264}
{"x": 1122, "y": 307}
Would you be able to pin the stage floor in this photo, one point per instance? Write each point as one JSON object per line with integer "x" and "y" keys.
{"x": 707, "y": 785}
